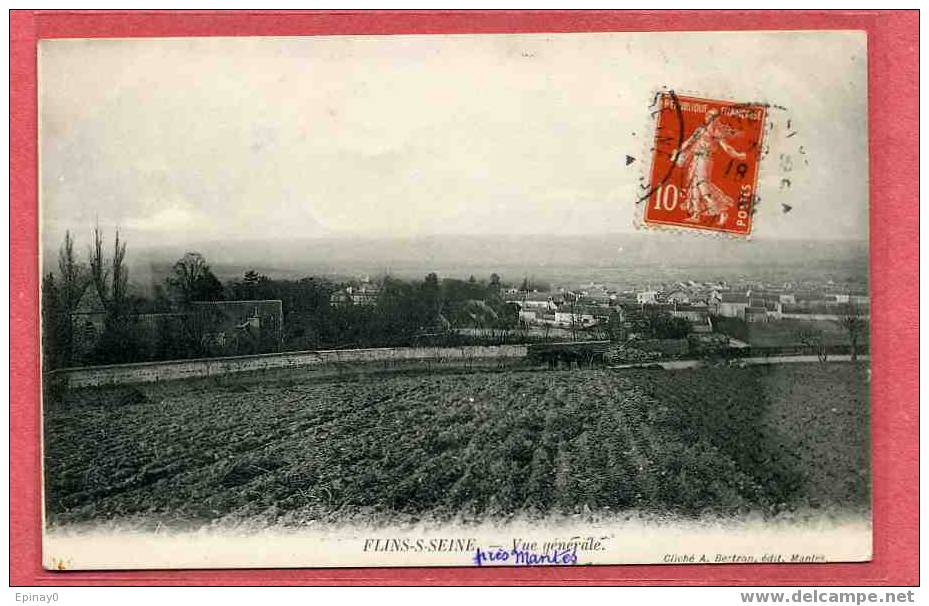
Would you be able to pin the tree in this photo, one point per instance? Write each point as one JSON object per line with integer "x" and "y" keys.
{"x": 812, "y": 339}
{"x": 432, "y": 296}
{"x": 254, "y": 286}
{"x": 659, "y": 324}
{"x": 546, "y": 331}
{"x": 74, "y": 279}
{"x": 508, "y": 318}
{"x": 52, "y": 329}
{"x": 208, "y": 288}
{"x": 109, "y": 276}
{"x": 119, "y": 341}
{"x": 855, "y": 325}
{"x": 192, "y": 280}
{"x": 494, "y": 281}
{"x": 612, "y": 329}
{"x": 571, "y": 301}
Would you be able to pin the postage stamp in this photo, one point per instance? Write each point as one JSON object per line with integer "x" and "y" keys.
{"x": 704, "y": 164}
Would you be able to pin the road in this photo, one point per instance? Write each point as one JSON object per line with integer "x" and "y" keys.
{"x": 682, "y": 364}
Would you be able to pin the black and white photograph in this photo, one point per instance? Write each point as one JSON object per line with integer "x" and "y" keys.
{"x": 341, "y": 301}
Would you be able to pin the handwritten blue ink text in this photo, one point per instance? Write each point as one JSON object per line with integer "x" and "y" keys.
{"x": 525, "y": 557}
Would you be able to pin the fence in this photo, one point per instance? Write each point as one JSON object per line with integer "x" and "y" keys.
{"x": 151, "y": 372}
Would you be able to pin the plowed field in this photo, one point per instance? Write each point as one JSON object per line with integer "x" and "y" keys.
{"x": 711, "y": 440}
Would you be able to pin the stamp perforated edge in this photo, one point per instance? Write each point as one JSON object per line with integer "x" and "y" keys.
{"x": 648, "y": 151}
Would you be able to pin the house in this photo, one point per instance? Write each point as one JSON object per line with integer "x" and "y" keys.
{"x": 626, "y": 298}
{"x": 539, "y": 301}
{"x": 597, "y": 298}
{"x": 698, "y": 316}
{"x": 220, "y": 327}
{"x": 847, "y": 298}
{"x": 677, "y": 296}
{"x": 581, "y": 315}
{"x": 774, "y": 309}
{"x": 691, "y": 313}
{"x": 87, "y": 322}
{"x": 574, "y": 318}
{"x": 340, "y": 297}
{"x": 729, "y": 305}
{"x": 239, "y": 325}
{"x": 364, "y": 294}
{"x": 809, "y": 297}
{"x": 646, "y": 297}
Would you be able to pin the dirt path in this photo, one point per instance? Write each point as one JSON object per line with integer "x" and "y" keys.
{"x": 682, "y": 364}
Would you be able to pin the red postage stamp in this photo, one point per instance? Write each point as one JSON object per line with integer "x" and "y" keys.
{"x": 705, "y": 164}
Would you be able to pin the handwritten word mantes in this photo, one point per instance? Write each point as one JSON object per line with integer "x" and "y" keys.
{"x": 524, "y": 557}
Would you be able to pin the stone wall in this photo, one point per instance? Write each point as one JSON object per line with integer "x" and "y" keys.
{"x": 819, "y": 317}
{"x": 150, "y": 372}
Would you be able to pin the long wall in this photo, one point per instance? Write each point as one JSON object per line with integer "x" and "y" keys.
{"x": 819, "y": 317}
{"x": 150, "y": 372}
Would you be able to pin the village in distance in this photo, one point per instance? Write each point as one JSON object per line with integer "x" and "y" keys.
{"x": 93, "y": 313}
{"x": 233, "y": 397}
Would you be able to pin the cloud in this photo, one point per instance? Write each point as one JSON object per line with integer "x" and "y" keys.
{"x": 416, "y": 135}
{"x": 175, "y": 218}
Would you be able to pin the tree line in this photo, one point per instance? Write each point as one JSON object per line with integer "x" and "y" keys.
{"x": 91, "y": 292}
{"x": 91, "y": 316}
{"x": 107, "y": 276}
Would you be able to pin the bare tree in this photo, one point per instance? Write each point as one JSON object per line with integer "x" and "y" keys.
{"x": 74, "y": 281}
{"x": 812, "y": 339}
{"x": 109, "y": 276}
{"x": 119, "y": 276}
{"x": 855, "y": 325}
{"x": 99, "y": 272}
{"x": 572, "y": 309}
{"x": 73, "y": 272}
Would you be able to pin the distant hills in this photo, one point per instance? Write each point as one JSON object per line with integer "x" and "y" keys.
{"x": 620, "y": 258}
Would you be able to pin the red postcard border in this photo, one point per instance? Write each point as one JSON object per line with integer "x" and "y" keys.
{"x": 893, "y": 93}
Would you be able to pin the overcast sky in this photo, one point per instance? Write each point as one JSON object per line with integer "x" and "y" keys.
{"x": 191, "y": 139}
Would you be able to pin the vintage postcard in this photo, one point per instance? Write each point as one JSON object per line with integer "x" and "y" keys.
{"x": 455, "y": 300}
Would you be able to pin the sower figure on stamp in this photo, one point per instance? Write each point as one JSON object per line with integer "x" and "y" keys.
{"x": 702, "y": 197}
